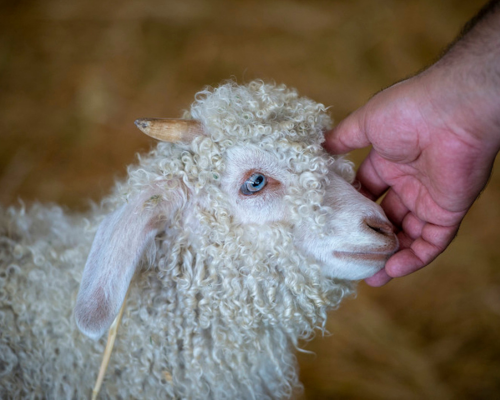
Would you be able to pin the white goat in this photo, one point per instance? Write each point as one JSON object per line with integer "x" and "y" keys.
{"x": 239, "y": 236}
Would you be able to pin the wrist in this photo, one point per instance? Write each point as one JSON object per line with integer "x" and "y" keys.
{"x": 469, "y": 76}
{"x": 468, "y": 99}
{"x": 481, "y": 100}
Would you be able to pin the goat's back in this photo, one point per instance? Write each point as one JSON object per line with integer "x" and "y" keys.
{"x": 42, "y": 251}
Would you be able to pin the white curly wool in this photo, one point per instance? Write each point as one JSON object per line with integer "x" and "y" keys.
{"x": 224, "y": 285}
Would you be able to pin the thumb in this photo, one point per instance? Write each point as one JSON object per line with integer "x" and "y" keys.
{"x": 348, "y": 135}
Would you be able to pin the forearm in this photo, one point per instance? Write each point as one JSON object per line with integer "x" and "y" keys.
{"x": 486, "y": 15}
{"x": 469, "y": 73}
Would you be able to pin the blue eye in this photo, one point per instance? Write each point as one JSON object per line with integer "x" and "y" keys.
{"x": 254, "y": 184}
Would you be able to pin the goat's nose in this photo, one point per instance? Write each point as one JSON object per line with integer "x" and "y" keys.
{"x": 379, "y": 225}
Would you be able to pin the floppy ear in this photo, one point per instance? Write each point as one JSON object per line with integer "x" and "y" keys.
{"x": 117, "y": 249}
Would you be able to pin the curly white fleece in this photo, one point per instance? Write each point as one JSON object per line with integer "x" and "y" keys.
{"x": 218, "y": 307}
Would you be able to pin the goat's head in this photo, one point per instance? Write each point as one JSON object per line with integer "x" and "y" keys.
{"x": 247, "y": 163}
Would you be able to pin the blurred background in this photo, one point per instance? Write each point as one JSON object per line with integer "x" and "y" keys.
{"x": 74, "y": 75}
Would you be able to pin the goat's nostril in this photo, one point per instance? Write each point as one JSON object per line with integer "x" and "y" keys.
{"x": 379, "y": 225}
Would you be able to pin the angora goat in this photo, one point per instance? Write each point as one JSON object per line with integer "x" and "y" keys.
{"x": 233, "y": 240}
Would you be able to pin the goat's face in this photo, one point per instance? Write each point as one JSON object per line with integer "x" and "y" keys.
{"x": 348, "y": 235}
{"x": 246, "y": 184}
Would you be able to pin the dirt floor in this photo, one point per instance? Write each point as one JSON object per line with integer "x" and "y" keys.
{"x": 74, "y": 75}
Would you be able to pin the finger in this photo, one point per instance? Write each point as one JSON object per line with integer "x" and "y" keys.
{"x": 372, "y": 185}
{"x": 413, "y": 226}
{"x": 404, "y": 240}
{"x": 404, "y": 262}
{"x": 348, "y": 135}
{"x": 422, "y": 251}
{"x": 441, "y": 236}
{"x": 394, "y": 208}
{"x": 379, "y": 279}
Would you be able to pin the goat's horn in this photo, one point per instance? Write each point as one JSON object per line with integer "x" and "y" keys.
{"x": 170, "y": 130}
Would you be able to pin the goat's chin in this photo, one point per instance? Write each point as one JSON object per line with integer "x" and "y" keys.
{"x": 341, "y": 268}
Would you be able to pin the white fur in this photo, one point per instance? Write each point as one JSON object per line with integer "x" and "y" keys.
{"x": 345, "y": 229}
{"x": 225, "y": 284}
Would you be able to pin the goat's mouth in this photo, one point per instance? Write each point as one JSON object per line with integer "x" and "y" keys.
{"x": 363, "y": 256}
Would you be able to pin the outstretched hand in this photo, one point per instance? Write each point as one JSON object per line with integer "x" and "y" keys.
{"x": 434, "y": 139}
{"x": 430, "y": 156}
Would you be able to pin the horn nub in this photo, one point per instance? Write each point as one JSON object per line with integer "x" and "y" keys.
{"x": 170, "y": 130}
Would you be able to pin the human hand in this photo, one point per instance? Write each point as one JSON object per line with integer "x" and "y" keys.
{"x": 433, "y": 150}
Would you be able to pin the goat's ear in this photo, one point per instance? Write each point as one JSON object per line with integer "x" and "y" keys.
{"x": 118, "y": 246}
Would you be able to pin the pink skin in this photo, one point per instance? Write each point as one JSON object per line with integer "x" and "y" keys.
{"x": 435, "y": 137}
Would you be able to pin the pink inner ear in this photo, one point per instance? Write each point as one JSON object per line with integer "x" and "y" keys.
{"x": 116, "y": 251}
